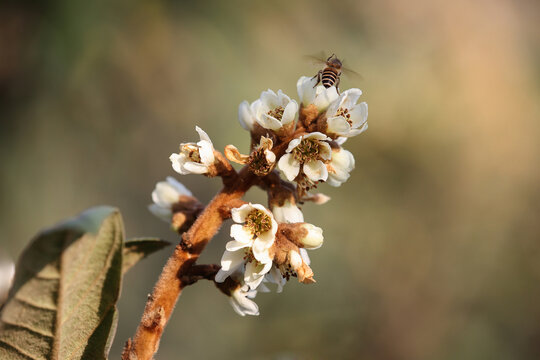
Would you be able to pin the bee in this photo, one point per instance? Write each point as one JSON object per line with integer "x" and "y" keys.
{"x": 330, "y": 75}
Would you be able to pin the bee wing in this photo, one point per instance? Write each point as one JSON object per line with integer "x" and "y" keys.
{"x": 351, "y": 73}
{"x": 317, "y": 59}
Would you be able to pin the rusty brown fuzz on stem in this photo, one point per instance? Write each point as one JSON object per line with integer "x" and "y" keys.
{"x": 180, "y": 269}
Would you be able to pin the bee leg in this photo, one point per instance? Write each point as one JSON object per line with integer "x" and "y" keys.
{"x": 318, "y": 76}
{"x": 337, "y": 84}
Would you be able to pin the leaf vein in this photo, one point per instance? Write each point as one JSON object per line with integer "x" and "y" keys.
{"x": 32, "y": 304}
{"x": 21, "y": 352}
{"x": 101, "y": 274}
{"x": 26, "y": 327}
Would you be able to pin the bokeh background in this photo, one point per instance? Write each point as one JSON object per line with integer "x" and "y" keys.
{"x": 432, "y": 247}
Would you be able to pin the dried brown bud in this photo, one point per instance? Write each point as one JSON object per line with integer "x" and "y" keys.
{"x": 232, "y": 153}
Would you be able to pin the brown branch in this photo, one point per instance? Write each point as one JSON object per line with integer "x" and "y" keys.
{"x": 172, "y": 280}
{"x": 177, "y": 272}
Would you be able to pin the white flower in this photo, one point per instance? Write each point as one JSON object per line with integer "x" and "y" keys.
{"x": 309, "y": 153}
{"x": 251, "y": 244}
{"x": 194, "y": 158}
{"x": 236, "y": 258}
{"x": 246, "y": 114}
{"x": 165, "y": 195}
{"x": 241, "y": 302}
{"x": 274, "y": 111}
{"x": 259, "y": 228}
{"x": 345, "y": 117}
{"x": 340, "y": 166}
{"x": 310, "y": 93}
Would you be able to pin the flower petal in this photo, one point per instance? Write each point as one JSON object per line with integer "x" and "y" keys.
{"x": 254, "y": 273}
{"x": 359, "y": 114}
{"x": 239, "y": 214}
{"x": 287, "y": 213}
{"x": 269, "y": 122}
{"x": 324, "y": 97}
{"x": 241, "y": 234}
{"x": 191, "y": 167}
{"x": 305, "y": 256}
{"x": 325, "y": 151}
{"x": 338, "y": 125}
{"x": 241, "y": 304}
{"x": 277, "y": 278}
{"x": 178, "y": 161}
{"x": 245, "y": 116}
{"x": 203, "y": 135}
{"x": 315, "y": 170}
{"x": 290, "y": 166}
{"x": 206, "y": 151}
{"x": 180, "y": 188}
{"x": 306, "y": 89}
{"x": 316, "y": 136}
{"x": 234, "y": 245}
{"x": 231, "y": 260}
{"x": 270, "y": 99}
{"x": 270, "y": 156}
{"x": 289, "y": 113}
{"x": 294, "y": 143}
{"x": 350, "y": 97}
{"x": 163, "y": 213}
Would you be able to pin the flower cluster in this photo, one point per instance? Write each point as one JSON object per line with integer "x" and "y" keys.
{"x": 301, "y": 140}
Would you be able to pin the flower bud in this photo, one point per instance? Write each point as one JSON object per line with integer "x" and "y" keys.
{"x": 175, "y": 204}
{"x": 318, "y": 198}
{"x": 313, "y": 237}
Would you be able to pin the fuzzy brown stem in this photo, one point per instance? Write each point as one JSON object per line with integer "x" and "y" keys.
{"x": 175, "y": 274}
{"x": 173, "y": 278}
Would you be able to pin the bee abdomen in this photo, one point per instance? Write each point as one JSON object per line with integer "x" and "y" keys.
{"x": 328, "y": 78}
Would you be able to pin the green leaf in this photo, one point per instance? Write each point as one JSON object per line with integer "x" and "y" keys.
{"x": 67, "y": 282}
{"x": 139, "y": 248}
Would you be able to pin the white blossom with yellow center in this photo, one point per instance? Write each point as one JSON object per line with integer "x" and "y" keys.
{"x": 346, "y": 118}
{"x": 274, "y": 110}
{"x": 254, "y": 234}
{"x": 194, "y": 158}
{"x": 340, "y": 166}
{"x": 307, "y": 153}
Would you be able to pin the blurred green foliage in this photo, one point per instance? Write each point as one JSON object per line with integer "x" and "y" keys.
{"x": 432, "y": 248}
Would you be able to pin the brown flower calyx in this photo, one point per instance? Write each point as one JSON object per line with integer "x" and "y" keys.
{"x": 185, "y": 211}
{"x": 294, "y": 232}
{"x": 288, "y": 259}
{"x": 228, "y": 286}
{"x": 308, "y": 116}
{"x": 262, "y": 160}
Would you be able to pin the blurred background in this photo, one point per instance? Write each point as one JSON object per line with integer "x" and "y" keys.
{"x": 432, "y": 248}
